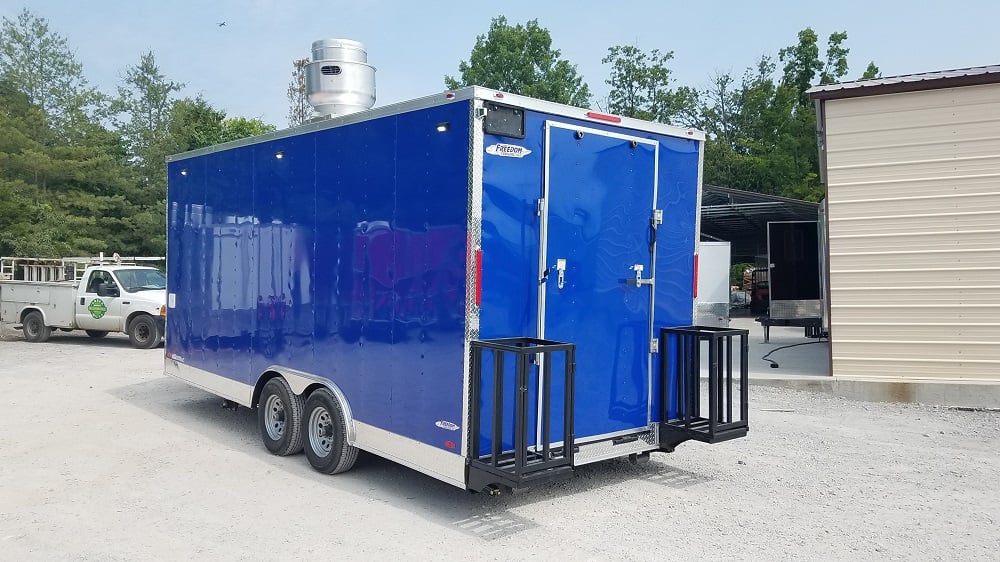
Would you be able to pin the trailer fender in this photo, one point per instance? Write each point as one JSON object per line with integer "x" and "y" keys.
{"x": 303, "y": 383}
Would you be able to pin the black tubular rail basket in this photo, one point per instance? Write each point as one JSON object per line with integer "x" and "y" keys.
{"x": 522, "y": 465}
{"x": 680, "y": 372}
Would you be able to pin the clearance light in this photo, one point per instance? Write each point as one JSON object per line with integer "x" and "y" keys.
{"x": 695, "y": 276}
{"x": 184, "y": 172}
{"x": 479, "y": 277}
{"x": 443, "y": 127}
{"x": 163, "y": 310}
{"x": 604, "y": 117}
{"x": 280, "y": 154}
{"x": 450, "y": 95}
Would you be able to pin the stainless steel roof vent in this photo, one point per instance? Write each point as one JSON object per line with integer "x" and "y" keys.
{"x": 339, "y": 79}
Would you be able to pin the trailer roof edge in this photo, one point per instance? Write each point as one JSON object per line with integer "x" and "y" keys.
{"x": 449, "y": 96}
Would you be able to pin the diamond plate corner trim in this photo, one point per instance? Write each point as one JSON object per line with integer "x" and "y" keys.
{"x": 474, "y": 234}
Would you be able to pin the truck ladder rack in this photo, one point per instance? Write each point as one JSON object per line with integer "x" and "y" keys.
{"x": 523, "y": 464}
{"x": 682, "y": 401}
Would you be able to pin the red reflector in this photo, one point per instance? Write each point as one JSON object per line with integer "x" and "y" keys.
{"x": 449, "y": 95}
{"x": 696, "y": 276}
{"x": 498, "y": 95}
{"x": 450, "y": 444}
{"x": 604, "y": 117}
{"x": 479, "y": 277}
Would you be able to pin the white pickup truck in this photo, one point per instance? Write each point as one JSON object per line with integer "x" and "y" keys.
{"x": 106, "y": 297}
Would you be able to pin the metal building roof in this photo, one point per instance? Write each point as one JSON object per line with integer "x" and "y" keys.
{"x": 973, "y": 76}
{"x": 741, "y": 217}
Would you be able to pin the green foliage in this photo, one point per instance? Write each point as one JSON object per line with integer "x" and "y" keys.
{"x": 640, "y": 87}
{"x": 737, "y": 273}
{"x": 68, "y": 184}
{"x": 39, "y": 63}
{"x": 194, "y": 123}
{"x": 235, "y": 128}
{"x": 871, "y": 72}
{"x": 143, "y": 105}
{"x": 762, "y": 130}
{"x": 520, "y": 59}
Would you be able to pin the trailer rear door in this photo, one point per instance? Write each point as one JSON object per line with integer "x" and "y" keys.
{"x": 596, "y": 241}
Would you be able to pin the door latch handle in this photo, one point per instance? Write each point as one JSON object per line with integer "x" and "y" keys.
{"x": 560, "y": 268}
{"x": 638, "y": 281}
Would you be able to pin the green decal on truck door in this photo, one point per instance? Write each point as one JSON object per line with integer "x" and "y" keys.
{"x": 97, "y": 308}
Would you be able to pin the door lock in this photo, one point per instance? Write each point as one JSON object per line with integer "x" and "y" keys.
{"x": 560, "y": 268}
{"x": 638, "y": 281}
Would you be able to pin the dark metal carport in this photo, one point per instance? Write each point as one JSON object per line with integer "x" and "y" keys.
{"x": 741, "y": 217}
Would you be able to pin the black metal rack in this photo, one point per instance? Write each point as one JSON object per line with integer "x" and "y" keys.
{"x": 523, "y": 465}
{"x": 680, "y": 372}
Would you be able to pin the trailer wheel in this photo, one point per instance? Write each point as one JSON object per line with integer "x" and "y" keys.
{"x": 96, "y": 333}
{"x": 34, "y": 327}
{"x": 279, "y": 418}
{"x": 325, "y": 433}
{"x": 142, "y": 332}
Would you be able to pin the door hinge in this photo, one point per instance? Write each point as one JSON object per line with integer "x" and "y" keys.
{"x": 657, "y": 217}
{"x": 480, "y": 113}
{"x": 654, "y": 345}
{"x": 539, "y": 207}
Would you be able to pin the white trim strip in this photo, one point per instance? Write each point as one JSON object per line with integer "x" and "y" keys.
{"x": 216, "y": 384}
{"x": 434, "y": 462}
{"x": 916, "y": 360}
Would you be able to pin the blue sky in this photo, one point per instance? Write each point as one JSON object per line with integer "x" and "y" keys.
{"x": 244, "y": 67}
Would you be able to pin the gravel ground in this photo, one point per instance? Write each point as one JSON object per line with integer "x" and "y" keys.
{"x": 104, "y": 458}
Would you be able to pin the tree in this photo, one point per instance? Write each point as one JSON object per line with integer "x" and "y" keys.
{"x": 836, "y": 59}
{"x": 56, "y": 197}
{"x": 871, "y": 72}
{"x": 143, "y": 105}
{"x": 640, "y": 87}
{"x": 520, "y": 59}
{"x": 39, "y": 63}
{"x": 802, "y": 63}
{"x": 235, "y": 128}
{"x": 299, "y": 109}
{"x": 194, "y": 124}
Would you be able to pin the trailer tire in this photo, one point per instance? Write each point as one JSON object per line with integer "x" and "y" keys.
{"x": 34, "y": 327}
{"x": 279, "y": 418}
{"x": 96, "y": 333}
{"x": 324, "y": 431}
{"x": 143, "y": 333}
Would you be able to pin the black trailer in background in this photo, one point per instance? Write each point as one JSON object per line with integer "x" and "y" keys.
{"x": 794, "y": 273}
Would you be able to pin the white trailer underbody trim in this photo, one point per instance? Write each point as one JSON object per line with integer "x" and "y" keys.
{"x": 434, "y": 462}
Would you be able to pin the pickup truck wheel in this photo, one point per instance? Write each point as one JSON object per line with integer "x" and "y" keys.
{"x": 279, "y": 418}
{"x": 96, "y": 333}
{"x": 325, "y": 432}
{"x": 34, "y": 327}
{"x": 142, "y": 332}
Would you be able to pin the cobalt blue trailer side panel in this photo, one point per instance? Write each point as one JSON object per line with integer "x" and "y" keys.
{"x": 339, "y": 252}
{"x": 428, "y": 270}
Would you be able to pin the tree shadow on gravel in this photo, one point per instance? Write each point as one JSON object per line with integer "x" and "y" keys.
{"x": 376, "y": 479}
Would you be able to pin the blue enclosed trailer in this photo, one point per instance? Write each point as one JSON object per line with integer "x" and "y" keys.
{"x": 472, "y": 284}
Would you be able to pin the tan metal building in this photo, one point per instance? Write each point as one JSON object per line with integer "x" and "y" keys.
{"x": 912, "y": 168}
